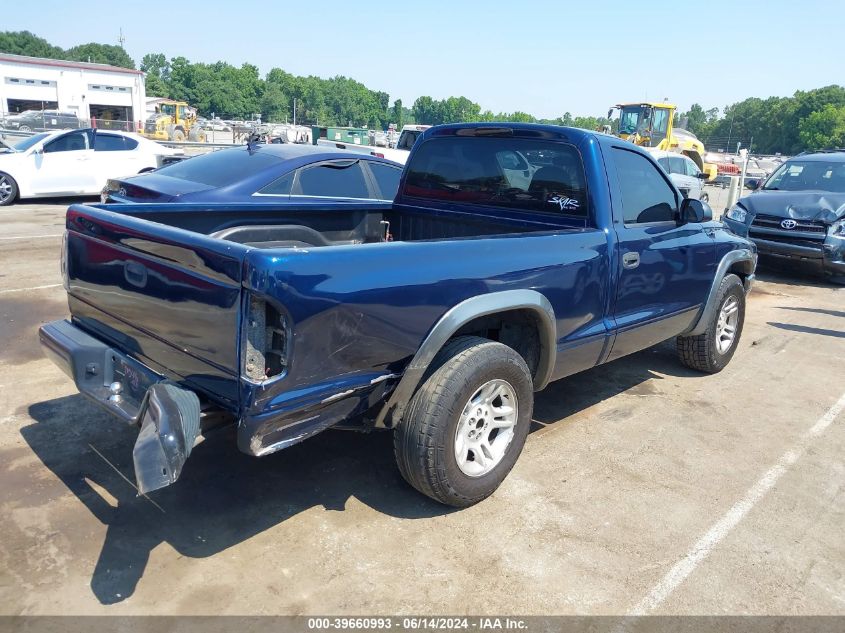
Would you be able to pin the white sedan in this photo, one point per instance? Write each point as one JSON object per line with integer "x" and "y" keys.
{"x": 73, "y": 163}
{"x": 683, "y": 172}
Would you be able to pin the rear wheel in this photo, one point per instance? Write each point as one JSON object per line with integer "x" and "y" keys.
{"x": 25, "y": 128}
{"x": 466, "y": 425}
{"x": 8, "y": 189}
{"x": 711, "y": 351}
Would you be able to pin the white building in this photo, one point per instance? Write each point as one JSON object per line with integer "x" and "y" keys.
{"x": 88, "y": 90}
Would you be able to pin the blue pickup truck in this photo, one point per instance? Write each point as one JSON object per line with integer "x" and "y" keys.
{"x": 512, "y": 256}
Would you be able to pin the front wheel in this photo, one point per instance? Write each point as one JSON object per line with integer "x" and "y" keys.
{"x": 467, "y": 423}
{"x": 8, "y": 189}
{"x": 711, "y": 351}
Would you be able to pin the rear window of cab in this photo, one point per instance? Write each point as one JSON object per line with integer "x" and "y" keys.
{"x": 523, "y": 174}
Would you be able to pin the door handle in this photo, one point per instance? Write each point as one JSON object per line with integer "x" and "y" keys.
{"x": 630, "y": 260}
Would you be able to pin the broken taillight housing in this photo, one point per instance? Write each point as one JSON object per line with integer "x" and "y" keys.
{"x": 265, "y": 353}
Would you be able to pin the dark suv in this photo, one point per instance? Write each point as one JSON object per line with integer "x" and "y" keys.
{"x": 797, "y": 216}
{"x": 32, "y": 120}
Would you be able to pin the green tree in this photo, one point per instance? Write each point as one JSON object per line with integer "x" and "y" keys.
{"x": 26, "y": 43}
{"x": 275, "y": 103}
{"x": 398, "y": 114}
{"x": 100, "y": 54}
{"x": 157, "y": 70}
{"x": 424, "y": 111}
{"x": 823, "y": 128}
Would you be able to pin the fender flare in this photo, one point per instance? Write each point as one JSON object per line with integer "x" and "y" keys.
{"x": 731, "y": 258}
{"x": 452, "y": 321}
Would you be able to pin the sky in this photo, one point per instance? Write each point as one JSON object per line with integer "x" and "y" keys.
{"x": 541, "y": 57}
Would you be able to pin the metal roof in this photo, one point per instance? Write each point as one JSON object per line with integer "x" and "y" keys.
{"x": 62, "y": 63}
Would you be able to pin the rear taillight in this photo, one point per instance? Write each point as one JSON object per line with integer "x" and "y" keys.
{"x": 266, "y": 342}
{"x": 63, "y": 263}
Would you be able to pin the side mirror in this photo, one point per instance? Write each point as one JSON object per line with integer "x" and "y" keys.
{"x": 693, "y": 210}
{"x": 702, "y": 175}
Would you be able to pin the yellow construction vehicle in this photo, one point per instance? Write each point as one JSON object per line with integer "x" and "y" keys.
{"x": 652, "y": 125}
{"x": 174, "y": 121}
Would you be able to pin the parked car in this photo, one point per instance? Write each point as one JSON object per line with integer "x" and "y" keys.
{"x": 436, "y": 317}
{"x": 797, "y": 216}
{"x": 38, "y": 120}
{"x": 216, "y": 125}
{"x": 75, "y": 163}
{"x": 684, "y": 173}
{"x": 722, "y": 181}
{"x": 264, "y": 173}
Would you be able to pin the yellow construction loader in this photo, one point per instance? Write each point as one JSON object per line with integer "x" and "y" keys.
{"x": 652, "y": 125}
{"x": 174, "y": 121}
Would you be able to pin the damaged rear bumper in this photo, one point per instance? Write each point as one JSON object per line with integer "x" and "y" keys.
{"x": 168, "y": 415}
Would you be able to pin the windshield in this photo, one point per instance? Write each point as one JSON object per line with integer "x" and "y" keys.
{"x": 25, "y": 143}
{"x": 807, "y": 175}
{"x": 27, "y": 114}
{"x": 167, "y": 108}
{"x": 629, "y": 119}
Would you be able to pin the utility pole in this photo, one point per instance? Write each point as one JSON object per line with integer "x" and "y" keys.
{"x": 294, "y": 112}
{"x": 121, "y": 39}
{"x": 730, "y": 129}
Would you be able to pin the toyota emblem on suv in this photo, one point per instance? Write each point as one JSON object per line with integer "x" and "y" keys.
{"x": 788, "y": 224}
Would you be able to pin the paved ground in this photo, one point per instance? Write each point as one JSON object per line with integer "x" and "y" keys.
{"x": 645, "y": 488}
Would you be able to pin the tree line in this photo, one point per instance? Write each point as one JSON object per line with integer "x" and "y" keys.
{"x": 810, "y": 119}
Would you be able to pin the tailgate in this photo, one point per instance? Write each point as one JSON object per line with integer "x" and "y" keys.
{"x": 169, "y": 297}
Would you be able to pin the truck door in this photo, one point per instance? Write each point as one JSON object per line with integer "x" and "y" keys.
{"x": 664, "y": 268}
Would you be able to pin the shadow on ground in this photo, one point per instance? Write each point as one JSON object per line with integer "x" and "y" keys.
{"x": 224, "y": 497}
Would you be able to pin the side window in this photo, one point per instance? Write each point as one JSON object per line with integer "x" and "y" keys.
{"x": 676, "y": 165}
{"x": 692, "y": 168}
{"x": 338, "y": 179}
{"x": 646, "y": 196}
{"x": 387, "y": 179}
{"x": 72, "y": 142}
{"x": 664, "y": 163}
{"x": 109, "y": 143}
{"x": 661, "y": 120}
{"x": 280, "y": 186}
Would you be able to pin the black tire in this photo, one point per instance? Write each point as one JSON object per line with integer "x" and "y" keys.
{"x": 705, "y": 197}
{"x": 701, "y": 352}
{"x": 8, "y": 189}
{"x": 25, "y": 128}
{"x": 424, "y": 440}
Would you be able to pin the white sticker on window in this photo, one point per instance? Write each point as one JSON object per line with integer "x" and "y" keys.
{"x": 565, "y": 203}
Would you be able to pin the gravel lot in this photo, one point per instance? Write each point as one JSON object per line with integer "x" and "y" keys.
{"x": 645, "y": 488}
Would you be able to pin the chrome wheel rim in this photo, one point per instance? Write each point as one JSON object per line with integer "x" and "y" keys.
{"x": 486, "y": 428}
{"x": 727, "y": 324}
{"x": 5, "y": 189}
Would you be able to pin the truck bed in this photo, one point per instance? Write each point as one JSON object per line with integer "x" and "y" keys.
{"x": 178, "y": 287}
{"x": 308, "y": 226}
